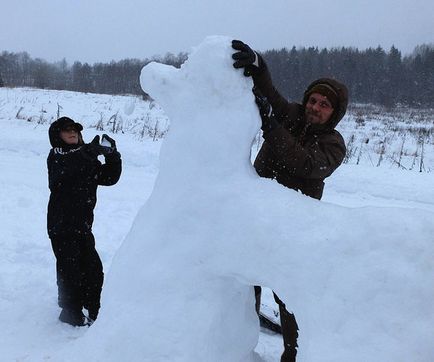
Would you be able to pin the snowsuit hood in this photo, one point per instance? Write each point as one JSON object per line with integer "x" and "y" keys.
{"x": 60, "y": 124}
{"x": 341, "y": 91}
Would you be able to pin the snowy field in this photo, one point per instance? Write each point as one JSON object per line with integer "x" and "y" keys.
{"x": 29, "y": 329}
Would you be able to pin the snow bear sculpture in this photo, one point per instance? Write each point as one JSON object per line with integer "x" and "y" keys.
{"x": 180, "y": 287}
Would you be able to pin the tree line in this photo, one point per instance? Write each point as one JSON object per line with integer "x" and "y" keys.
{"x": 116, "y": 77}
{"x": 373, "y": 75}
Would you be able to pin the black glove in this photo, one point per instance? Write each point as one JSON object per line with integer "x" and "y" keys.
{"x": 91, "y": 150}
{"x": 110, "y": 152}
{"x": 266, "y": 112}
{"x": 246, "y": 58}
{"x": 106, "y": 150}
{"x": 110, "y": 140}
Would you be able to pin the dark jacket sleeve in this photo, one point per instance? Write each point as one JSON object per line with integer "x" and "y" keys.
{"x": 262, "y": 80}
{"x": 110, "y": 171}
{"x": 317, "y": 159}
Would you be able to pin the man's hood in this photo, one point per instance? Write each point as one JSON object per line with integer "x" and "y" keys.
{"x": 341, "y": 91}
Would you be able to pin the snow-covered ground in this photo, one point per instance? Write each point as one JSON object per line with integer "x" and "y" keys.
{"x": 29, "y": 329}
{"x": 401, "y": 138}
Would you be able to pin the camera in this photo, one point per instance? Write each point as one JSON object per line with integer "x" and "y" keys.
{"x": 105, "y": 142}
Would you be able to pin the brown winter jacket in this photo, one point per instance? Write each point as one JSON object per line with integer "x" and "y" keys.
{"x": 300, "y": 155}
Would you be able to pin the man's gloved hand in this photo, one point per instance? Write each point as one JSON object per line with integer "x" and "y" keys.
{"x": 246, "y": 58}
{"x": 266, "y": 112}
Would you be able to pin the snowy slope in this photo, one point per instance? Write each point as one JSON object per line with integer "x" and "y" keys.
{"x": 28, "y": 311}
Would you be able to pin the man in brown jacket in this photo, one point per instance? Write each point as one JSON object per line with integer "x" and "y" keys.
{"x": 301, "y": 146}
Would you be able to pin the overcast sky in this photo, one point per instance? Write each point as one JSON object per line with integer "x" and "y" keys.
{"x": 104, "y": 30}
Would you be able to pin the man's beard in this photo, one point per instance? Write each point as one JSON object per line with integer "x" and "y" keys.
{"x": 312, "y": 116}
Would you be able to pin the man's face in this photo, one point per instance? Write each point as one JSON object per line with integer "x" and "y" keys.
{"x": 318, "y": 109}
{"x": 69, "y": 135}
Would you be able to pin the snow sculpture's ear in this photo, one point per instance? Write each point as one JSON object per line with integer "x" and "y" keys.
{"x": 160, "y": 82}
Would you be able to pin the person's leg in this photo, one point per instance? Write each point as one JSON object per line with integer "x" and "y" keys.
{"x": 258, "y": 292}
{"x": 93, "y": 276}
{"x": 67, "y": 252}
{"x": 289, "y": 332}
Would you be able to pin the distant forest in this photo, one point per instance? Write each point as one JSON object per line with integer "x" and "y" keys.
{"x": 373, "y": 75}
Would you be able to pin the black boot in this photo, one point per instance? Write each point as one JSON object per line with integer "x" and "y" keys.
{"x": 289, "y": 332}
{"x": 74, "y": 317}
{"x": 93, "y": 314}
{"x": 289, "y": 354}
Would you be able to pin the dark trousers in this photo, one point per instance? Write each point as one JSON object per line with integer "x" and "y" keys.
{"x": 289, "y": 327}
{"x": 79, "y": 272}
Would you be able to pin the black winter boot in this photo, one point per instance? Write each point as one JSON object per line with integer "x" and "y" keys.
{"x": 74, "y": 317}
{"x": 289, "y": 332}
{"x": 289, "y": 354}
{"x": 93, "y": 314}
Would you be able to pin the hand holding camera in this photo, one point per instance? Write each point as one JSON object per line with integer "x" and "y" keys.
{"x": 108, "y": 145}
{"x": 95, "y": 148}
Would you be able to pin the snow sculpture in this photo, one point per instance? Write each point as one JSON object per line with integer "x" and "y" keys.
{"x": 179, "y": 288}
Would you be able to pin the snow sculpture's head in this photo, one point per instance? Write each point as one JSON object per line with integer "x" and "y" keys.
{"x": 209, "y": 103}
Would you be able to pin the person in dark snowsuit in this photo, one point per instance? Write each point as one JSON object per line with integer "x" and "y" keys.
{"x": 74, "y": 172}
{"x": 301, "y": 146}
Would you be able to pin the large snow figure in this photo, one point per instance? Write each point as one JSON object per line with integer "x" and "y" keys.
{"x": 359, "y": 281}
